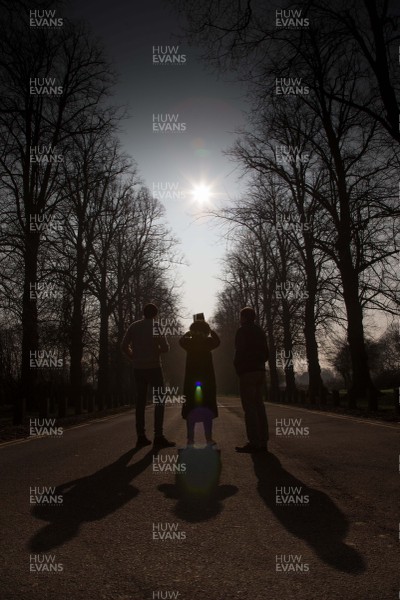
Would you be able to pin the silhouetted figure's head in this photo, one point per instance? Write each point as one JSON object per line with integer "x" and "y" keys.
{"x": 247, "y": 315}
{"x": 200, "y": 328}
{"x": 150, "y": 311}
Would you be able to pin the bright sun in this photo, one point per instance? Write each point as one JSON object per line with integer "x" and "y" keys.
{"x": 201, "y": 193}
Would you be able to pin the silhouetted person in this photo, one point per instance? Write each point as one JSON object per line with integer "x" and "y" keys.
{"x": 251, "y": 354}
{"x": 199, "y": 385}
{"x": 143, "y": 345}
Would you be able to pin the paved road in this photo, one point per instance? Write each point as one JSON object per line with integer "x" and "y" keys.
{"x": 317, "y": 518}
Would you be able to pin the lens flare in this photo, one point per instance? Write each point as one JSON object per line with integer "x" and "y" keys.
{"x": 202, "y": 193}
{"x": 198, "y": 393}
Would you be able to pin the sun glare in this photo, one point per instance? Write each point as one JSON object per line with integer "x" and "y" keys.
{"x": 201, "y": 193}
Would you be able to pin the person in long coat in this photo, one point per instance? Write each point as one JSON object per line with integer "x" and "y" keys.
{"x": 199, "y": 386}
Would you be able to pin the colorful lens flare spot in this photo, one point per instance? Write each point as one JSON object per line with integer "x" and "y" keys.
{"x": 198, "y": 145}
{"x": 198, "y": 393}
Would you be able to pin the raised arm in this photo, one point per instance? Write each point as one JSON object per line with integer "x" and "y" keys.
{"x": 184, "y": 341}
{"x": 214, "y": 340}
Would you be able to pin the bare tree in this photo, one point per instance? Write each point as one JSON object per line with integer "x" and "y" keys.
{"x": 53, "y": 82}
{"x": 347, "y": 137}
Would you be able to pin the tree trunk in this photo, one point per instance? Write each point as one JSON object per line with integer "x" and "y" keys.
{"x": 103, "y": 384}
{"x": 361, "y": 379}
{"x": 76, "y": 348}
{"x": 314, "y": 369}
{"x": 30, "y": 335}
{"x": 288, "y": 346}
{"x": 119, "y": 381}
{"x": 76, "y": 329}
{"x": 273, "y": 371}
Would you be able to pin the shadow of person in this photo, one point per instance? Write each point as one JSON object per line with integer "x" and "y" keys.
{"x": 89, "y": 498}
{"x": 320, "y": 523}
{"x": 196, "y": 489}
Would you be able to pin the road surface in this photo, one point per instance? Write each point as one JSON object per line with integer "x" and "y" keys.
{"x": 86, "y": 517}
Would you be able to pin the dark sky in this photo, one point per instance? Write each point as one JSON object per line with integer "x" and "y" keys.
{"x": 209, "y": 108}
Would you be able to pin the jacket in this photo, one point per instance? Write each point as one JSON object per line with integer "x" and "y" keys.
{"x": 251, "y": 350}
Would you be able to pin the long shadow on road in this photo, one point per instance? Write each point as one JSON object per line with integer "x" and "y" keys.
{"x": 320, "y": 523}
{"x": 198, "y": 495}
{"x": 87, "y": 499}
